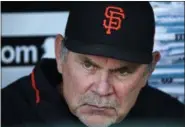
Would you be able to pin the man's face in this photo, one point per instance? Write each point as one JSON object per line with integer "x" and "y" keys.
{"x": 100, "y": 91}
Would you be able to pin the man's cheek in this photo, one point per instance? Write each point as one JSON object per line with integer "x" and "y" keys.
{"x": 135, "y": 83}
{"x": 77, "y": 85}
{"x": 81, "y": 78}
{"x": 125, "y": 89}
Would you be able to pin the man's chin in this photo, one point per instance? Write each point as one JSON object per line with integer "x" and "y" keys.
{"x": 96, "y": 120}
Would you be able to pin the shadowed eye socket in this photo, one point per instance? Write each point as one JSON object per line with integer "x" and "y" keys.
{"x": 123, "y": 71}
{"x": 88, "y": 65}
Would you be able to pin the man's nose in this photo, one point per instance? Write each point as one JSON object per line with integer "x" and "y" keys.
{"x": 103, "y": 87}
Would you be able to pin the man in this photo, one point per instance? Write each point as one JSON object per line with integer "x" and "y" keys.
{"x": 99, "y": 77}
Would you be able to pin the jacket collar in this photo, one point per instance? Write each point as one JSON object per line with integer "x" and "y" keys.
{"x": 51, "y": 106}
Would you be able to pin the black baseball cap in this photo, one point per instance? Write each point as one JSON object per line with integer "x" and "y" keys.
{"x": 120, "y": 30}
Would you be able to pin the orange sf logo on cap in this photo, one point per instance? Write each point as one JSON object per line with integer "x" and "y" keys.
{"x": 114, "y": 16}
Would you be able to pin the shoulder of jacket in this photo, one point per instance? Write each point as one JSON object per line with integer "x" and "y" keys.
{"x": 160, "y": 103}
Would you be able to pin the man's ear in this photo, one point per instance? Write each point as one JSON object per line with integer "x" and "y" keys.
{"x": 156, "y": 57}
{"x": 58, "y": 51}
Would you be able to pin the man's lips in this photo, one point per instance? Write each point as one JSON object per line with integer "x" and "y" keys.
{"x": 98, "y": 107}
{"x": 98, "y": 110}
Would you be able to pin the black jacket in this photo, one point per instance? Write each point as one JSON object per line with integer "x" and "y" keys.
{"x": 34, "y": 100}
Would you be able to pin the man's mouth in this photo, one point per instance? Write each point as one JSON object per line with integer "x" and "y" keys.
{"x": 98, "y": 107}
{"x": 97, "y": 110}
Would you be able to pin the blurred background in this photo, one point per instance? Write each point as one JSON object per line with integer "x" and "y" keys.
{"x": 29, "y": 30}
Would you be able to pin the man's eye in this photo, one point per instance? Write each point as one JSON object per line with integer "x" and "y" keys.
{"x": 88, "y": 65}
{"x": 124, "y": 72}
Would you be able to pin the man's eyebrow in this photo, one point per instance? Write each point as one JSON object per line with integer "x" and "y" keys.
{"x": 86, "y": 59}
{"x": 128, "y": 66}
{"x": 117, "y": 69}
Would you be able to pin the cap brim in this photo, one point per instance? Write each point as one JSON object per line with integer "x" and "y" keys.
{"x": 109, "y": 51}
